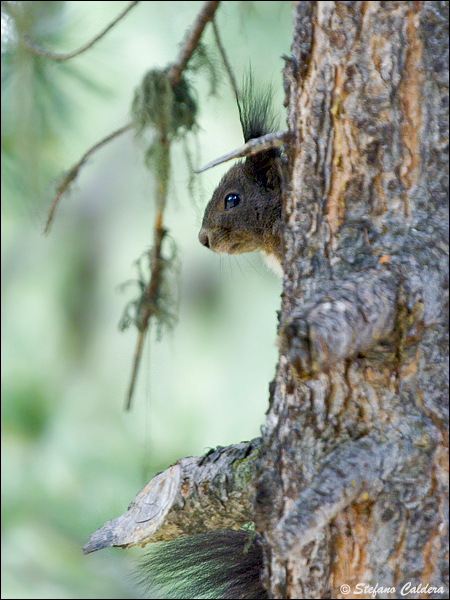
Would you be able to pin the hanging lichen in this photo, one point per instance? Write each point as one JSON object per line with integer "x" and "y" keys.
{"x": 165, "y": 301}
{"x": 157, "y": 105}
{"x": 169, "y": 112}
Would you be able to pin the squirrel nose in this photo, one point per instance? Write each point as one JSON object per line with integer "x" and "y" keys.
{"x": 203, "y": 238}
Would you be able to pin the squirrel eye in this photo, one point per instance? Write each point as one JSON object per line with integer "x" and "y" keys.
{"x": 232, "y": 200}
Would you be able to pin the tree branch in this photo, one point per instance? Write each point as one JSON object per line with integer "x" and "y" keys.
{"x": 62, "y": 57}
{"x": 253, "y": 146}
{"x": 174, "y": 76}
{"x": 191, "y": 41}
{"x": 149, "y": 300}
{"x": 73, "y": 173}
{"x": 152, "y": 291}
{"x": 194, "y": 495}
{"x": 225, "y": 60}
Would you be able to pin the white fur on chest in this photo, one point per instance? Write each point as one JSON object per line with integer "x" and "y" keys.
{"x": 273, "y": 263}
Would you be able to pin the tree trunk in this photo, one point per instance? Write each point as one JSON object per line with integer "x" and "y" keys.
{"x": 352, "y": 482}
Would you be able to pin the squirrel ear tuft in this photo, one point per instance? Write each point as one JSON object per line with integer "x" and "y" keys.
{"x": 256, "y": 109}
{"x": 263, "y": 169}
{"x": 257, "y": 119}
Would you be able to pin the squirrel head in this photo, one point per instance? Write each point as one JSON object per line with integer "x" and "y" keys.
{"x": 245, "y": 211}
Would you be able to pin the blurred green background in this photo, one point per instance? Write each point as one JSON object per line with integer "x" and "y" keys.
{"x": 71, "y": 457}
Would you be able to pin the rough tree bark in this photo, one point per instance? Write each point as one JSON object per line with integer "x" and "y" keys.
{"x": 352, "y": 481}
{"x": 349, "y": 481}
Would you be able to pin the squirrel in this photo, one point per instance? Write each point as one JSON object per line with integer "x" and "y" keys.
{"x": 243, "y": 215}
{"x": 245, "y": 211}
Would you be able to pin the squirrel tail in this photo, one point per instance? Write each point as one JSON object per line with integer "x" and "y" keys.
{"x": 218, "y": 564}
